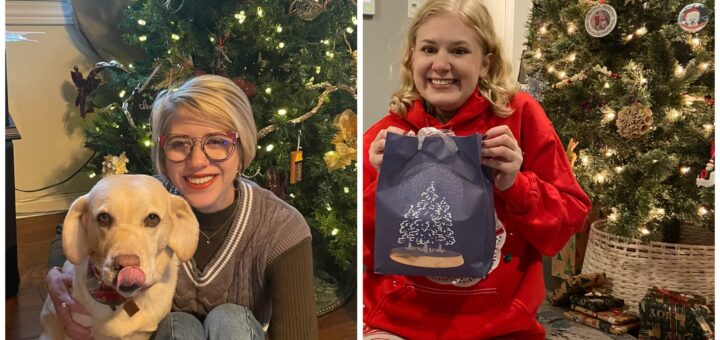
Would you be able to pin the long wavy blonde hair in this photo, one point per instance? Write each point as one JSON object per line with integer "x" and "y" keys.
{"x": 498, "y": 86}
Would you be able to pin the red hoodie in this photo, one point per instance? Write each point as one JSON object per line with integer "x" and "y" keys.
{"x": 539, "y": 213}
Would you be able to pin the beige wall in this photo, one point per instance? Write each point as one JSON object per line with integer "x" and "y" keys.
{"x": 40, "y": 100}
{"x": 382, "y": 43}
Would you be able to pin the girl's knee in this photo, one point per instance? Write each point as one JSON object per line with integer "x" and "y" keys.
{"x": 179, "y": 325}
{"x": 235, "y": 320}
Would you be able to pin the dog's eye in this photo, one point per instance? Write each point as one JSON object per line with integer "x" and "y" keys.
{"x": 104, "y": 219}
{"x": 152, "y": 220}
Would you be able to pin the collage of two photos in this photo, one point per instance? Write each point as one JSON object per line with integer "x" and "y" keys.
{"x": 374, "y": 169}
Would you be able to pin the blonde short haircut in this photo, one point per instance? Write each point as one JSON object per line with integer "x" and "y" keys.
{"x": 213, "y": 99}
{"x": 498, "y": 87}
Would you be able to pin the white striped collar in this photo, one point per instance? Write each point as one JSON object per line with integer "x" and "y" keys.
{"x": 221, "y": 259}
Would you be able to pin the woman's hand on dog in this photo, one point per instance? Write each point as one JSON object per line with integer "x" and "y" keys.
{"x": 58, "y": 286}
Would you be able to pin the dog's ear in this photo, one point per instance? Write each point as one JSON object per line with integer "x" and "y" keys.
{"x": 184, "y": 229}
{"x": 74, "y": 234}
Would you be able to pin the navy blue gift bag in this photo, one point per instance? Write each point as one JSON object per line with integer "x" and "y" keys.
{"x": 434, "y": 212}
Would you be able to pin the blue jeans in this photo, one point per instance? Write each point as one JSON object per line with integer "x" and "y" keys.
{"x": 224, "y": 322}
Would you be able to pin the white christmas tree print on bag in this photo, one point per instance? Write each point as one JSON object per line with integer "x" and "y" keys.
{"x": 427, "y": 227}
{"x": 434, "y": 207}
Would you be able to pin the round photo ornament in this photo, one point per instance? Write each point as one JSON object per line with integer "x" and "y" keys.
{"x": 600, "y": 20}
{"x": 693, "y": 17}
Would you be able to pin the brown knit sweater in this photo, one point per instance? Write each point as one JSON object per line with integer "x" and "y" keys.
{"x": 265, "y": 264}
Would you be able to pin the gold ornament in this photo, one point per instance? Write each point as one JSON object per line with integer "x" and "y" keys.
{"x": 115, "y": 165}
{"x": 565, "y": 82}
{"x": 308, "y": 9}
{"x": 346, "y": 123}
{"x": 345, "y": 141}
{"x": 602, "y": 69}
{"x": 634, "y": 121}
{"x": 571, "y": 155}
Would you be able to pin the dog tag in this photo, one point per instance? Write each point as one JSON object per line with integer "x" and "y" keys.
{"x": 131, "y": 308}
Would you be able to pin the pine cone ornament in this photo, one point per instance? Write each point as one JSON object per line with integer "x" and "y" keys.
{"x": 634, "y": 121}
{"x": 308, "y": 9}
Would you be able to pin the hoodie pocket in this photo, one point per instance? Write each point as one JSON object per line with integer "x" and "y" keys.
{"x": 427, "y": 309}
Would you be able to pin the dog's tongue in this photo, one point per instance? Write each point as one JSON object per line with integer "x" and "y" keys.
{"x": 129, "y": 279}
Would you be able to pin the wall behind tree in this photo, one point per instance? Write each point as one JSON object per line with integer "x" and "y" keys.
{"x": 40, "y": 100}
{"x": 382, "y": 48}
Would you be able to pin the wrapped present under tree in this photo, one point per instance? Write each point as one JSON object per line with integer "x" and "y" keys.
{"x": 596, "y": 303}
{"x": 600, "y": 324}
{"x": 577, "y": 284}
{"x": 665, "y": 314}
{"x": 615, "y": 316}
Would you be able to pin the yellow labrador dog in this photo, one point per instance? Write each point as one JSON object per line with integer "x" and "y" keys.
{"x": 124, "y": 242}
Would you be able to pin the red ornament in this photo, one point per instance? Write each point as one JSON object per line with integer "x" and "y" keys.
{"x": 247, "y": 86}
{"x": 84, "y": 86}
{"x": 709, "y": 100}
{"x": 614, "y": 75}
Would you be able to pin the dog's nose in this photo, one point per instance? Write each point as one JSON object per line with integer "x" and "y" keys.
{"x": 122, "y": 261}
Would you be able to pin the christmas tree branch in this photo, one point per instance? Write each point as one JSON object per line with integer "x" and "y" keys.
{"x": 329, "y": 88}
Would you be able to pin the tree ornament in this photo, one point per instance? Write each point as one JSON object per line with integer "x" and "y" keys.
{"x": 275, "y": 182}
{"x": 221, "y": 57}
{"x": 602, "y": 69}
{"x": 345, "y": 141}
{"x": 115, "y": 165}
{"x": 176, "y": 69}
{"x": 141, "y": 106}
{"x": 247, "y": 86}
{"x": 308, "y": 9}
{"x": 600, "y": 20}
{"x": 84, "y": 86}
{"x": 634, "y": 121}
{"x": 709, "y": 100}
{"x": 570, "y": 152}
{"x": 693, "y": 17}
{"x": 706, "y": 178}
{"x": 535, "y": 86}
{"x": 169, "y": 6}
{"x": 296, "y": 158}
{"x": 565, "y": 82}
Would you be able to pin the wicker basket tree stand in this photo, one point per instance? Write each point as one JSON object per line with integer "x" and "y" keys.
{"x": 632, "y": 266}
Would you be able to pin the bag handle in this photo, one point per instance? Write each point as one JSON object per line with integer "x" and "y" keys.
{"x": 444, "y": 134}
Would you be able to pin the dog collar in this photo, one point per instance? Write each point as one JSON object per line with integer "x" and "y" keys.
{"x": 107, "y": 295}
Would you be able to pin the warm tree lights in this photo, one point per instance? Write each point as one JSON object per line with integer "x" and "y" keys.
{"x": 640, "y": 102}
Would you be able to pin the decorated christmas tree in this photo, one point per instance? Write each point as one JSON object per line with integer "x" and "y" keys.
{"x": 296, "y": 61}
{"x": 629, "y": 88}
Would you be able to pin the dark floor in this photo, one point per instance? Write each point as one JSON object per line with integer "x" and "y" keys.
{"x": 22, "y": 311}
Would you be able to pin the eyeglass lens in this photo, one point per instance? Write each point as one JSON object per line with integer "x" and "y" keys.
{"x": 217, "y": 147}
